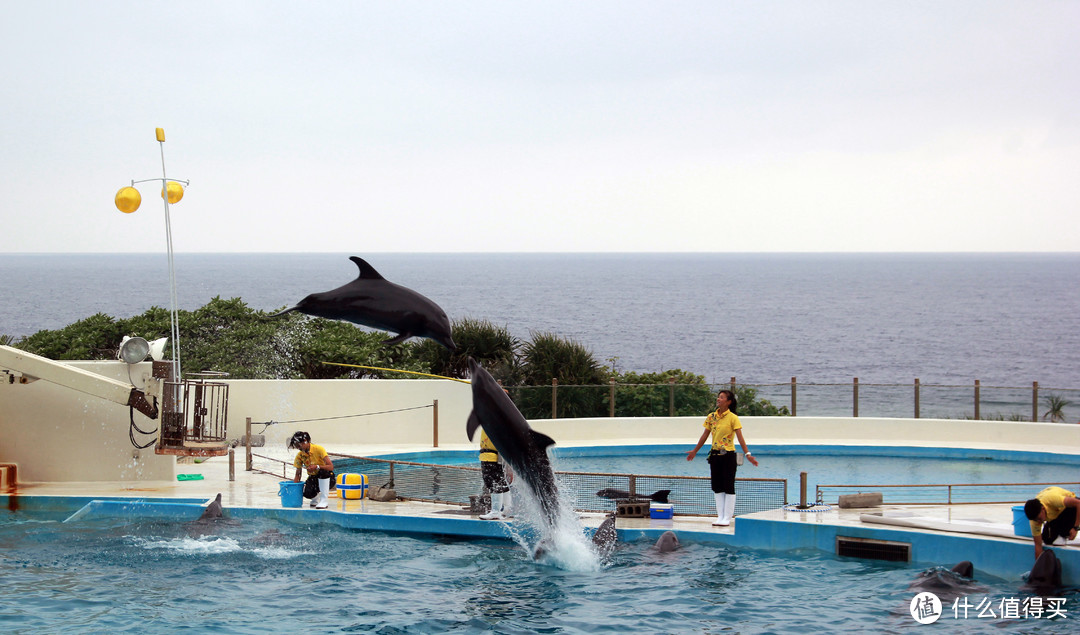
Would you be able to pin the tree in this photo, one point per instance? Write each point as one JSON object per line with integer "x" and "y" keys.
{"x": 649, "y": 394}
{"x": 547, "y": 356}
{"x": 1055, "y": 405}
{"x": 493, "y": 347}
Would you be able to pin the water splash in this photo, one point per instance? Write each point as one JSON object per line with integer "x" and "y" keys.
{"x": 562, "y": 544}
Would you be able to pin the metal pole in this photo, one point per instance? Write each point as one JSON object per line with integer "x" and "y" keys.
{"x": 174, "y": 316}
{"x": 917, "y": 397}
{"x": 435, "y": 422}
{"x": 247, "y": 432}
{"x": 1034, "y": 401}
{"x": 793, "y": 411}
{"x": 554, "y": 398}
{"x": 855, "y": 398}
{"x": 977, "y": 400}
{"x": 802, "y": 490}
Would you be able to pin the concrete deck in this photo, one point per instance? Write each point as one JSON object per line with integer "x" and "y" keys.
{"x": 254, "y": 494}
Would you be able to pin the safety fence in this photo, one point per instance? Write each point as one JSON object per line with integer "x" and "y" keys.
{"x": 849, "y": 399}
{"x": 455, "y": 484}
{"x": 950, "y": 494}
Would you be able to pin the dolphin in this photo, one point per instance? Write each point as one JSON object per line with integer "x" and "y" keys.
{"x": 212, "y": 511}
{"x": 948, "y": 584}
{"x": 604, "y": 538}
{"x": 373, "y": 301}
{"x": 1045, "y": 576}
{"x": 518, "y": 444}
{"x": 660, "y": 496}
{"x": 668, "y": 541}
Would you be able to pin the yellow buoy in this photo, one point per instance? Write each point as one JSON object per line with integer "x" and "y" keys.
{"x": 128, "y": 199}
{"x": 176, "y": 192}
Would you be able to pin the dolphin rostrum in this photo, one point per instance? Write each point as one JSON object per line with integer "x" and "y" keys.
{"x": 518, "y": 444}
{"x": 373, "y": 301}
{"x": 660, "y": 496}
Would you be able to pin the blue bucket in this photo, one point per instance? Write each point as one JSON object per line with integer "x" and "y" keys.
{"x": 1021, "y": 524}
{"x": 292, "y": 494}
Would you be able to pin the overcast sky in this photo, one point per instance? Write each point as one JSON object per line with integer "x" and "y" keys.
{"x": 543, "y": 126}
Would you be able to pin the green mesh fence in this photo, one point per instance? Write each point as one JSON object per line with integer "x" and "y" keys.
{"x": 690, "y": 495}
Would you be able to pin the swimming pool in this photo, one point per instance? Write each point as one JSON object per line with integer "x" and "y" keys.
{"x": 265, "y": 575}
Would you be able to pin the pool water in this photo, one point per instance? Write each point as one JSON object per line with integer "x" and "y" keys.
{"x": 268, "y": 576}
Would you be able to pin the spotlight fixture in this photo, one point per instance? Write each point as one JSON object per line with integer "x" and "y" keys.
{"x": 133, "y": 349}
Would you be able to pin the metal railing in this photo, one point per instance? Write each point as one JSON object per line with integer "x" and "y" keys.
{"x": 941, "y": 494}
{"x": 854, "y": 399}
{"x": 455, "y": 484}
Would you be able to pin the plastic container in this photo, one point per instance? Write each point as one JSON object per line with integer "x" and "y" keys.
{"x": 292, "y": 494}
{"x": 352, "y": 486}
{"x": 661, "y": 510}
{"x": 1021, "y": 524}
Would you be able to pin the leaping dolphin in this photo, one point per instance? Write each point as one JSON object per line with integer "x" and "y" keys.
{"x": 518, "y": 444}
{"x": 372, "y": 300}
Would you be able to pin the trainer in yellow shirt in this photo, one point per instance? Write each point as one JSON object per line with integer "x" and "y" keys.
{"x": 1053, "y": 514}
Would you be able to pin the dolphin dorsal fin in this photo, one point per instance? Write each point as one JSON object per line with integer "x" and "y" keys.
{"x": 541, "y": 440}
{"x": 367, "y": 272}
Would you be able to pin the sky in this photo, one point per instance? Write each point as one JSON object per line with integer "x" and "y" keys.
{"x": 555, "y": 126}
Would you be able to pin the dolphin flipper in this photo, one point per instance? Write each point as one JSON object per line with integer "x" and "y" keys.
{"x": 472, "y": 424}
{"x": 541, "y": 440}
{"x": 397, "y": 340}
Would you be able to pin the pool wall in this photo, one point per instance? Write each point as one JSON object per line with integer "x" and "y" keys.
{"x": 55, "y": 434}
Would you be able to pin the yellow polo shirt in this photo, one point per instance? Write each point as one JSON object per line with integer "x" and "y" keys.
{"x": 723, "y": 429}
{"x": 316, "y": 454}
{"x": 1053, "y": 501}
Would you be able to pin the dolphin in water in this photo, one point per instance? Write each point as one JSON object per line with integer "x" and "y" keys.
{"x": 660, "y": 496}
{"x": 605, "y": 537}
{"x": 518, "y": 444}
{"x": 373, "y": 301}
{"x": 948, "y": 584}
{"x": 1045, "y": 576}
{"x": 212, "y": 511}
{"x": 668, "y": 541}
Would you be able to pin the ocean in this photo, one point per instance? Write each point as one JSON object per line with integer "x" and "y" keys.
{"x": 1006, "y": 320}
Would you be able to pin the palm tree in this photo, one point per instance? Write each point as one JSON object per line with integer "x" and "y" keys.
{"x": 1055, "y": 405}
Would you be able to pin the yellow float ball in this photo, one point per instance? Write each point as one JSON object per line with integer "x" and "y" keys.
{"x": 175, "y": 192}
{"x": 128, "y": 199}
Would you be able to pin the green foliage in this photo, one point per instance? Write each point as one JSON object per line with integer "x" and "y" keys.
{"x": 1055, "y": 408}
{"x": 651, "y": 394}
{"x": 546, "y": 356}
{"x": 751, "y": 406}
{"x": 96, "y": 337}
{"x": 492, "y": 346}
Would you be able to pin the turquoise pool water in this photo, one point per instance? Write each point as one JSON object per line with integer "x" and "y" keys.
{"x": 831, "y": 465}
{"x": 267, "y": 576}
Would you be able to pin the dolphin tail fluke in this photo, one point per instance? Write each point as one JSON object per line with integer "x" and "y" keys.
{"x": 472, "y": 425}
{"x": 660, "y": 496}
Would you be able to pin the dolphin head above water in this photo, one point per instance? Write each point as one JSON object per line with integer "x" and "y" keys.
{"x": 518, "y": 444}
{"x": 371, "y": 300}
{"x": 1045, "y": 576}
{"x": 213, "y": 510}
{"x": 668, "y": 541}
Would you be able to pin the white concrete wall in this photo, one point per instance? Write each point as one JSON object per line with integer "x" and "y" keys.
{"x": 55, "y": 434}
